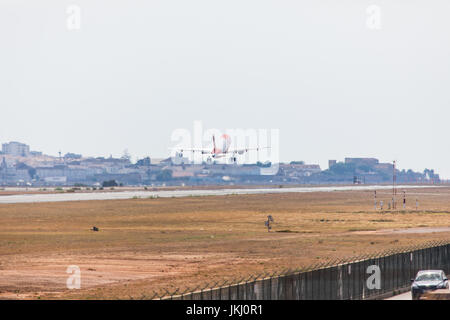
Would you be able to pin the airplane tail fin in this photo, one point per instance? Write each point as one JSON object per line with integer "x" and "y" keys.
{"x": 214, "y": 143}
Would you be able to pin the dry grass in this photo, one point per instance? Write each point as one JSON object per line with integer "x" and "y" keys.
{"x": 147, "y": 244}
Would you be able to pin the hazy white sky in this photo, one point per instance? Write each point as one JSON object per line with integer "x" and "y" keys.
{"x": 138, "y": 70}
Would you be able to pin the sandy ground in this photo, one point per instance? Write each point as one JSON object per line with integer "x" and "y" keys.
{"x": 36, "y": 274}
{"x": 145, "y": 245}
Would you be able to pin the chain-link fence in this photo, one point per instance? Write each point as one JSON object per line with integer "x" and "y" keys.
{"x": 362, "y": 277}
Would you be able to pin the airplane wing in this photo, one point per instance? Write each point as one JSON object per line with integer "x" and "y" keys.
{"x": 241, "y": 151}
{"x": 202, "y": 151}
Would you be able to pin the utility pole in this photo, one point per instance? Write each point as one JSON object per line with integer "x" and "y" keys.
{"x": 375, "y": 200}
{"x": 394, "y": 186}
{"x": 404, "y": 199}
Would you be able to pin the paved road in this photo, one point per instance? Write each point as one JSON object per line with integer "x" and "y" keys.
{"x": 403, "y": 296}
{"x": 57, "y": 197}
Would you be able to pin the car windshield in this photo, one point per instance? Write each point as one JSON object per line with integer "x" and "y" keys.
{"x": 429, "y": 277}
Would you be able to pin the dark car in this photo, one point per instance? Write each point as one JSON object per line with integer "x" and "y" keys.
{"x": 428, "y": 280}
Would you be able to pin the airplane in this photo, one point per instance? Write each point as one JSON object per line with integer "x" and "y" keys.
{"x": 220, "y": 150}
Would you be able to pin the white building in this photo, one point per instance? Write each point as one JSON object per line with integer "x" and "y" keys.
{"x": 16, "y": 149}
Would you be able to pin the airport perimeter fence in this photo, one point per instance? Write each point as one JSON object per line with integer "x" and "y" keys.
{"x": 362, "y": 277}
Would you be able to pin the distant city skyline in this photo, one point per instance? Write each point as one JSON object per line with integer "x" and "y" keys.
{"x": 135, "y": 159}
{"x": 20, "y": 166}
{"x": 132, "y": 73}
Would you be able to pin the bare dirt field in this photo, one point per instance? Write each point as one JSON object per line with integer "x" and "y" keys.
{"x": 145, "y": 245}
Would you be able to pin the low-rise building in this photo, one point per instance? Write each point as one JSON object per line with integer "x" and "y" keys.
{"x": 14, "y": 148}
